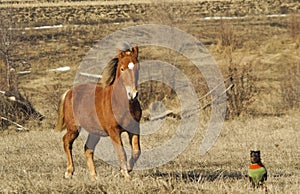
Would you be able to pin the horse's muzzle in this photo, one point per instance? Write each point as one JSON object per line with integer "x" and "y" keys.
{"x": 131, "y": 93}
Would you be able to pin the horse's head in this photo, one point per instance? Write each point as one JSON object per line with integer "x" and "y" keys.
{"x": 128, "y": 71}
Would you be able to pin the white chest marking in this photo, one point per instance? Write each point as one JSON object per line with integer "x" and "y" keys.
{"x": 130, "y": 65}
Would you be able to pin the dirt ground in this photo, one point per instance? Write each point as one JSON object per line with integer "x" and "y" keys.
{"x": 259, "y": 38}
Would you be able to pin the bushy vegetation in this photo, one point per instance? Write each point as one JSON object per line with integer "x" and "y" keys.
{"x": 15, "y": 109}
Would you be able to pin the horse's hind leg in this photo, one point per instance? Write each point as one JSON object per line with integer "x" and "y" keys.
{"x": 68, "y": 140}
{"x": 89, "y": 149}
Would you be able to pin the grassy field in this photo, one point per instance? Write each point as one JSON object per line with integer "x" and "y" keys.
{"x": 34, "y": 162}
{"x": 261, "y": 48}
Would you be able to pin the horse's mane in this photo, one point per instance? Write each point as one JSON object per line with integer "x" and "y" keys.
{"x": 109, "y": 72}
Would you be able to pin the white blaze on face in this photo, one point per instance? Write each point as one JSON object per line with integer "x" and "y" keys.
{"x": 131, "y": 65}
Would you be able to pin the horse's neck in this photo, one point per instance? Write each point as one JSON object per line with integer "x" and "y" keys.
{"x": 118, "y": 92}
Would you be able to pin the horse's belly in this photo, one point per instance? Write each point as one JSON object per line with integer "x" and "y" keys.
{"x": 85, "y": 110}
{"x": 99, "y": 132}
{"x": 92, "y": 124}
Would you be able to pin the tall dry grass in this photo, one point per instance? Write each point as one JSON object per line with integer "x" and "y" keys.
{"x": 34, "y": 162}
{"x": 290, "y": 85}
{"x": 293, "y": 24}
{"x": 239, "y": 76}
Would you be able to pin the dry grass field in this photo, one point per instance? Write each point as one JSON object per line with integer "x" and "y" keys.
{"x": 34, "y": 162}
{"x": 259, "y": 48}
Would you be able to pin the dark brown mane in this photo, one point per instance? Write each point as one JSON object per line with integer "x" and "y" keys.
{"x": 109, "y": 72}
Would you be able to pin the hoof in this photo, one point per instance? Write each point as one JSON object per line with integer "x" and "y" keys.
{"x": 94, "y": 177}
{"x": 68, "y": 175}
{"x": 129, "y": 170}
{"x": 126, "y": 175}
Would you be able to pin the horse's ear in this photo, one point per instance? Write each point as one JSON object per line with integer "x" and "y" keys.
{"x": 135, "y": 51}
{"x": 121, "y": 54}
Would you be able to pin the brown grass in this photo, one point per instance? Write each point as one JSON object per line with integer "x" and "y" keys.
{"x": 34, "y": 161}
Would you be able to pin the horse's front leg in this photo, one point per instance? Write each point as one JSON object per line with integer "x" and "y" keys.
{"x": 134, "y": 140}
{"x": 118, "y": 146}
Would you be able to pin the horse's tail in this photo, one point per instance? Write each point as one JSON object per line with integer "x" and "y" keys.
{"x": 60, "y": 124}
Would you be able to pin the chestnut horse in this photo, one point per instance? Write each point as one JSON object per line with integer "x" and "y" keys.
{"x": 107, "y": 108}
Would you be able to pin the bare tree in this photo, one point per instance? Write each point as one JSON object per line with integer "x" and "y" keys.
{"x": 8, "y": 42}
{"x": 13, "y": 106}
